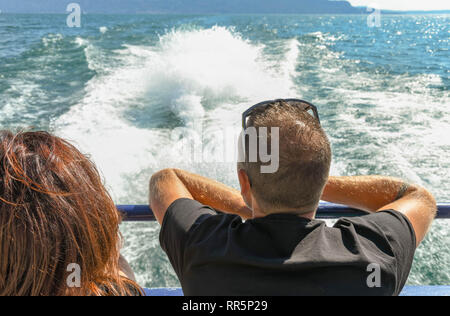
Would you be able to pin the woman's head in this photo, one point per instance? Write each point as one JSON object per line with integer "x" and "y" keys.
{"x": 55, "y": 212}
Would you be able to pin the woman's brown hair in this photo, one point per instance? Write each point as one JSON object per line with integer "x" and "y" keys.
{"x": 55, "y": 212}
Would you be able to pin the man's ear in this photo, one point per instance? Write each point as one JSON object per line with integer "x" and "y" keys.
{"x": 246, "y": 191}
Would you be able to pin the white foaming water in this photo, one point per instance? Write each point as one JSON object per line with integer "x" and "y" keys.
{"x": 95, "y": 58}
{"x": 207, "y": 77}
{"x": 192, "y": 74}
{"x": 51, "y": 39}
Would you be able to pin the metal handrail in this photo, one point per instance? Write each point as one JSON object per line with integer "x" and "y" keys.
{"x": 143, "y": 213}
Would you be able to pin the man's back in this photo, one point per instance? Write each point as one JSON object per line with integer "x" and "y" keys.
{"x": 273, "y": 254}
{"x": 282, "y": 254}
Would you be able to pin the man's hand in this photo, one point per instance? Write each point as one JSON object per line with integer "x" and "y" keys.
{"x": 169, "y": 185}
{"x": 377, "y": 193}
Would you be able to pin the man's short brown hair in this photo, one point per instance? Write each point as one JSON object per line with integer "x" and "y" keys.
{"x": 304, "y": 161}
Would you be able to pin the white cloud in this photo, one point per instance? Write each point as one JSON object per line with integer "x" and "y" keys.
{"x": 404, "y": 5}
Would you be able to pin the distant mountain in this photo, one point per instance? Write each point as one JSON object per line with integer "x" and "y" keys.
{"x": 181, "y": 6}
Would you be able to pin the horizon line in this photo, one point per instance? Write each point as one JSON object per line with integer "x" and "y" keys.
{"x": 447, "y": 11}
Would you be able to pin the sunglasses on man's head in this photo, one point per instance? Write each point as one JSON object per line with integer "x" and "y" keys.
{"x": 304, "y": 105}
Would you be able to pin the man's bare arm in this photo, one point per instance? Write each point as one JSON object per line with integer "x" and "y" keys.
{"x": 168, "y": 185}
{"x": 377, "y": 193}
{"x": 214, "y": 194}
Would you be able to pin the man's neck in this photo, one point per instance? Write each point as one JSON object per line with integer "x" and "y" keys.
{"x": 304, "y": 213}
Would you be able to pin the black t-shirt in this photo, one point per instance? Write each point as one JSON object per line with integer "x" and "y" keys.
{"x": 218, "y": 254}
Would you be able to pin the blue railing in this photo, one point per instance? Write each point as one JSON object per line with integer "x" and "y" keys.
{"x": 139, "y": 213}
{"x": 437, "y": 290}
{"x": 407, "y": 291}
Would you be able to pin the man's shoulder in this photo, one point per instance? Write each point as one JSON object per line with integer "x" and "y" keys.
{"x": 187, "y": 216}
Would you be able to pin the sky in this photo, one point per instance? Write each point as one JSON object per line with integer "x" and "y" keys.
{"x": 405, "y": 5}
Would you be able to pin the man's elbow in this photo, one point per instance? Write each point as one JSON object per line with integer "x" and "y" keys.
{"x": 431, "y": 201}
{"x": 427, "y": 198}
{"x": 156, "y": 180}
{"x": 158, "y": 176}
